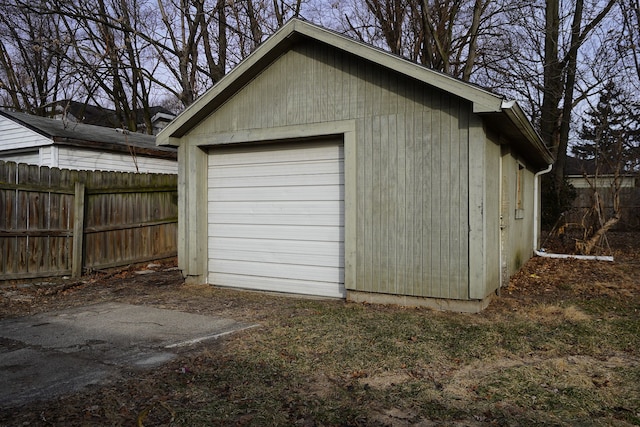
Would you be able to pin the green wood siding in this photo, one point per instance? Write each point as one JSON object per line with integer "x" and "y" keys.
{"x": 518, "y": 228}
{"x": 412, "y": 162}
{"x": 491, "y": 181}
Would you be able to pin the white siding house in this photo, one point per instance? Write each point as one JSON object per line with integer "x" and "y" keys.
{"x": 42, "y": 141}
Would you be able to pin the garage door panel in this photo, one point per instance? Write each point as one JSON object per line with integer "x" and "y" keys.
{"x": 284, "y": 219}
{"x": 276, "y": 169}
{"x": 277, "y": 208}
{"x": 300, "y": 192}
{"x": 277, "y": 285}
{"x": 279, "y": 271}
{"x": 278, "y": 232}
{"x": 276, "y": 218}
{"x": 277, "y": 153}
{"x": 279, "y": 258}
{"x": 276, "y": 181}
{"x": 284, "y": 247}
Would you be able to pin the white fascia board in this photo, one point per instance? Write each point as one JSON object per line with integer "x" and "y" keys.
{"x": 515, "y": 114}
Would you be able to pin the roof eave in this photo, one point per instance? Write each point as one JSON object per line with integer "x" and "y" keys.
{"x": 530, "y": 136}
{"x": 164, "y": 153}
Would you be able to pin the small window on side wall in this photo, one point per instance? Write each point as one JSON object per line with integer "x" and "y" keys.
{"x": 520, "y": 192}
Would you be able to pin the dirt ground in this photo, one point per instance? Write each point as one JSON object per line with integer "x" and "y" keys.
{"x": 160, "y": 283}
{"x": 542, "y": 282}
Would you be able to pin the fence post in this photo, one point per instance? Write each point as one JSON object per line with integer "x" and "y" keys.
{"x": 78, "y": 231}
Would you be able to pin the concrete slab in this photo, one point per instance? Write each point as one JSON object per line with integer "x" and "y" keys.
{"x": 50, "y": 354}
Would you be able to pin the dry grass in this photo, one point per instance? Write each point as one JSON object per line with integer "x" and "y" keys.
{"x": 545, "y": 313}
{"x": 561, "y": 347}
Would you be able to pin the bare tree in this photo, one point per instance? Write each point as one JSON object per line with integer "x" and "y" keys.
{"x": 113, "y": 62}
{"x": 630, "y": 40}
{"x": 445, "y": 35}
{"x": 102, "y": 52}
{"x": 390, "y": 15}
{"x": 32, "y": 71}
{"x": 559, "y": 54}
{"x": 248, "y": 18}
{"x": 610, "y": 144}
{"x": 254, "y": 20}
{"x": 560, "y": 76}
{"x": 203, "y": 39}
{"x": 122, "y": 52}
{"x": 284, "y": 10}
{"x": 178, "y": 50}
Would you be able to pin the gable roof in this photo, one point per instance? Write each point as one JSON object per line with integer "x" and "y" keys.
{"x": 484, "y": 102}
{"x": 89, "y": 136}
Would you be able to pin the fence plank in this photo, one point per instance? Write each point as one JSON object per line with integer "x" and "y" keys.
{"x": 128, "y": 218}
{"x": 9, "y": 245}
{"x": 22, "y": 203}
{"x": 78, "y": 231}
{"x": 35, "y": 220}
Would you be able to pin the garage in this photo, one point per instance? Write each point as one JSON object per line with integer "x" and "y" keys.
{"x": 276, "y": 217}
{"x": 402, "y": 209}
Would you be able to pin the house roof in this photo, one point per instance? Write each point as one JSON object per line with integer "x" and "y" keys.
{"x": 89, "y": 136}
{"x": 491, "y": 106}
{"x": 578, "y": 167}
{"x": 99, "y": 116}
{"x": 575, "y": 166}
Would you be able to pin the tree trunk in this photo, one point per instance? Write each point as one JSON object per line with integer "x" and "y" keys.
{"x": 473, "y": 40}
{"x": 587, "y": 247}
{"x": 553, "y": 84}
{"x": 565, "y": 122}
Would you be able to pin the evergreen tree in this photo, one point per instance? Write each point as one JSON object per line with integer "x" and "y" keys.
{"x": 611, "y": 135}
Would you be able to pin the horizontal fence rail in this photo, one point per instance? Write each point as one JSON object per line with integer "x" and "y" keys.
{"x": 56, "y": 222}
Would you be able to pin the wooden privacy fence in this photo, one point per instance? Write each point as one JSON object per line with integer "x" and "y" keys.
{"x": 56, "y": 222}
{"x": 629, "y": 206}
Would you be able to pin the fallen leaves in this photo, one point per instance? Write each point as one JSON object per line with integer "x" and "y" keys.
{"x": 333, "y": 363}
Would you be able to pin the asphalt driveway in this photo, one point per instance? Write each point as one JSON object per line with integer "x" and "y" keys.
{"x": 52, "y": 354}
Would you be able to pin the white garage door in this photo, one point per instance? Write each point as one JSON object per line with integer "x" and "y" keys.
{"x": 276, "y": 217}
